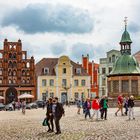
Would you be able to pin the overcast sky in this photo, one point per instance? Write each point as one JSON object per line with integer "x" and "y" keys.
{"x": 51, "y": 28}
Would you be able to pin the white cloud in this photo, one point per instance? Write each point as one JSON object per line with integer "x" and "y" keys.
{"x": 108, "y": 18}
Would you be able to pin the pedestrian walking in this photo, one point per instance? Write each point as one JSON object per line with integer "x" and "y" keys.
{"x": 131, "y": 107}
{"x": 96, "y": 107}
{"x": 126, "y": 105}
{"x": 23, "y": 105}
{"x": 103, "y": 107}
{"x": 87, "y": 106}
{"x": 58, "y": 111}
{"x": 49, "y": 116}
{"x": 79, "y": 104}
{"x": 120, "y": 105}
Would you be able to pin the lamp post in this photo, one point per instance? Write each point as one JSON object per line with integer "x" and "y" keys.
{"x": 88, "y": 92}
{"x": 66, "y": 89}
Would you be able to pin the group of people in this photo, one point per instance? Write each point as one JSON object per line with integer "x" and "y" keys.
{"x": 100, "y": 106}
{"x": 54, "y": 113}
{"x": 128, "y": 104}
{"x": 19, "y": 105}
{"x": 96, "y": 105}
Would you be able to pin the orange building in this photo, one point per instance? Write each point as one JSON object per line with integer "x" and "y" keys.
{"x": 92, "y": 70}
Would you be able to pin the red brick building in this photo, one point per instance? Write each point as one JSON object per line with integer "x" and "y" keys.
{"x": 92, "y": 70}
{"x": 17, "y": 72}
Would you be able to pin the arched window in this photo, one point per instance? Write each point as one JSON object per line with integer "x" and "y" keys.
{"x": 0, "y": 71}
{"x": 0, "y": 55}
{"x": 28, "y": 73}
{"x": 14, "y": 64}
{"x": 28, "y": 64}
{"x": 14, "y": 73}
{"x": 14, "y": 81}
{"x": 0, "y": 80}
{"x": 14, "y": 55}
{"x": 14, "y": 47}
{"x": 10, "y": 72}
{"x": 10, "y": 55}
{"x": 23, "y": 56}
{"x": 23, "y": 72}
{"x": 10, "y": 65}
{"x": 10, "y": 46}
{"x": 23, "y": 81}
{"x": 28, "y": 80}
{"x": 24, "y": 65}
{"x": 10, "y": 81}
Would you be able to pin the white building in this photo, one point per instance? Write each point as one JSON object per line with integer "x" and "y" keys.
{"x": 105, "y": 67}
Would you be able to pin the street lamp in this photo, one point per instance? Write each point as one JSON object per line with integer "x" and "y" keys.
{"x": 88, "y": 92}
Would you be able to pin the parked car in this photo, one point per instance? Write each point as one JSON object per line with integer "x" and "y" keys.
{"x": 31, "y": 105}
{"x": 40, "y": 103}
{"x": 9, "y": 107}
{"x": 2, "y": 106}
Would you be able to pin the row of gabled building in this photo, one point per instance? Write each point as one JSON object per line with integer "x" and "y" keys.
{"x": 118, "y": 73}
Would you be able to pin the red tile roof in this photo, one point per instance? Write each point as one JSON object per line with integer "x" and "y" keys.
{"x": 51, "y": 63}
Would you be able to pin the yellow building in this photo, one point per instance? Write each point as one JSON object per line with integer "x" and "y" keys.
{"x": 63, "y": 78}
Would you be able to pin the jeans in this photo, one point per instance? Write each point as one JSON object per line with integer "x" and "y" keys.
{"x": 50, "y": 118}
{"x": 104, "y": 111}
{"x": 131, "y": 112}
{"x": 57, "y": 124}
{"x": 87, "y": 112}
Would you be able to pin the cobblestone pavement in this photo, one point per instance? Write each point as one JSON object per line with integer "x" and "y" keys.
{"x": 15, "y": 126}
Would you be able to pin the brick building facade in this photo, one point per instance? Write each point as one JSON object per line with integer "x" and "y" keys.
{"x": 92, "y": 69}
{"x": 17, "y": 72}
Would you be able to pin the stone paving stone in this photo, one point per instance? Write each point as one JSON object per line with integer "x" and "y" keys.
{"x": 15, "y": 126}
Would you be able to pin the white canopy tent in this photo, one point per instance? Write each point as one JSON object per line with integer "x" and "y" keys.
{"x": 25, "y": 96}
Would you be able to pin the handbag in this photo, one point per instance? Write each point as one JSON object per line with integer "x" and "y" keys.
{"x": 45, "y": 122}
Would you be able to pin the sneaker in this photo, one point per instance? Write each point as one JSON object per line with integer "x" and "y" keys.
{"x": 49, "y": 130}
{"x": 57, "y": 133}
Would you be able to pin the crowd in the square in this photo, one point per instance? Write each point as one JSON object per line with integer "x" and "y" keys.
{"x": 89, "y": 108}
{"x": 99, "y": 107}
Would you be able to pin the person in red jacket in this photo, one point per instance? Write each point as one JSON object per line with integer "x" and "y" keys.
{"x": 96, "y": 107}
{"x": 120, "y": 105}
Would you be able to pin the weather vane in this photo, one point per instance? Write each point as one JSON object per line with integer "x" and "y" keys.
{"x": 125, "y": 21}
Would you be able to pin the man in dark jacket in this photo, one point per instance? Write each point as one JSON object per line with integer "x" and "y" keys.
{"x": 58, "y": 111}
{"x": 104, "y": 106}
{"x": 49, "y": 115}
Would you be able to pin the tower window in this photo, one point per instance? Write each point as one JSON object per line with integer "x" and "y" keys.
{"x": 64, "y": 70}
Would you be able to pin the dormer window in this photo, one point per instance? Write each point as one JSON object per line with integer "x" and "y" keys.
{"x": 78, "y": 70}
{"x": 46, "y": 70}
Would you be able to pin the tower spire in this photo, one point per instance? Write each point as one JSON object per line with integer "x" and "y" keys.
{"x": 125, "y": 22}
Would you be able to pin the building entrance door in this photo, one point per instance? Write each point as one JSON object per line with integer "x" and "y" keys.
{"x": 64, "y": 97}
{"x": 11, "y": 95}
